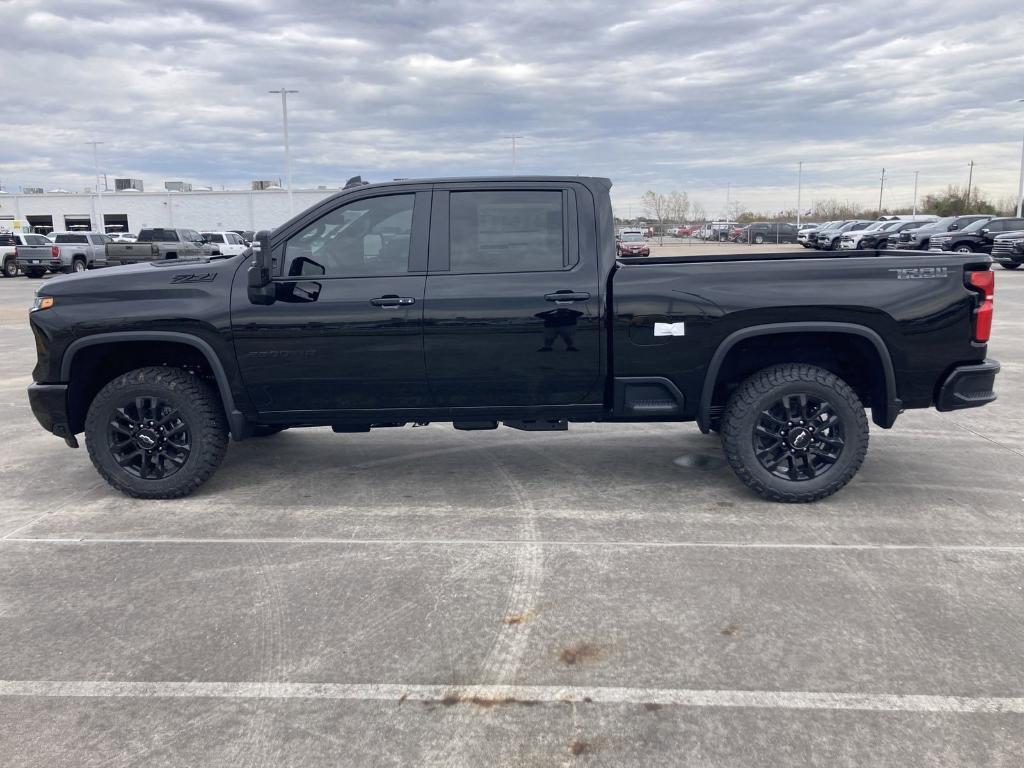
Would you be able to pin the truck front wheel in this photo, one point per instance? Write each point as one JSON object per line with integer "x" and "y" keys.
{"x": 794, "y": 433}
{"x": 156, "y": 433}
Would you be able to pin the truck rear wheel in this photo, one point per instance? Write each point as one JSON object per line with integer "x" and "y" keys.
{"x": 794, "y": 433}
{"x": 156, "y": 433}
{"x": 1011, "y": 265}
{"x": 10, "y": 268}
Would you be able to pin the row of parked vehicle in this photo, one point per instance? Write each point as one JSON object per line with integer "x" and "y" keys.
{"x": 34, "y": 255}
{"x": 1000, "y": 236}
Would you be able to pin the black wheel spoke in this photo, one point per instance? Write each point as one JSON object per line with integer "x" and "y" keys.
{"x": 149, "y": 437}
{"x": 798, "y": 437}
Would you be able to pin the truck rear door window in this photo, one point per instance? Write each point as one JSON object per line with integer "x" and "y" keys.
{"x": 71, "y": 239}
{"x": 507, "y": 231}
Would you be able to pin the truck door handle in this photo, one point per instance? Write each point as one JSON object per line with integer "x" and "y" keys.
{"x": 392, "y": 302}
{"x": 566, "y": 297}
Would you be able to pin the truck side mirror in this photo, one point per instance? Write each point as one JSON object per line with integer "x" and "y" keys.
{"x": 261, "y": 285}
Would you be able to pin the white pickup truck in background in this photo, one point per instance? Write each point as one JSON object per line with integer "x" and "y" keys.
{"x": 10, "y": 242}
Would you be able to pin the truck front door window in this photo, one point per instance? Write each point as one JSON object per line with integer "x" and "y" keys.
{"x": 364, "y": 238}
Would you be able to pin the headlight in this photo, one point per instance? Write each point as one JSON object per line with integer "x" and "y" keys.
{"x": 41, "y": 302}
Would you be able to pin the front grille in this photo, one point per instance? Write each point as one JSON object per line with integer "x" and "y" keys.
{"x": 904, "y": 237}
{"x": 1003, "y": 246}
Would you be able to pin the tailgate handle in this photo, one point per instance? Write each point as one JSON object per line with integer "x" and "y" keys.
{"x": 392, "y": 302}
{"x": 567, "y": 297}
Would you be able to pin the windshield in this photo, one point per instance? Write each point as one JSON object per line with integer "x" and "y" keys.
{"x": 632, "y": 239}
{"x": 71, "y": 239}
{"x": 158, "y": 236}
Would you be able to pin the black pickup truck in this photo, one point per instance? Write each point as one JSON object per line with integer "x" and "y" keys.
{"x": 487, "y": 301}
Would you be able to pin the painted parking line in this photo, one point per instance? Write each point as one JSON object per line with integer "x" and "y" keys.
{"x": 516, "y": 694}
{"x": 570, "y": 544}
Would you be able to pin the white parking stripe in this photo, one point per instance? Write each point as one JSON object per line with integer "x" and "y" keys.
{"x": 575, "y": 543}
{"x": 489, "y": 695}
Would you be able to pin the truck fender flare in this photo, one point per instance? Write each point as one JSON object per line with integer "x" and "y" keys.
{"x": 884, "y": 415}
{"x": 236, "y": 419}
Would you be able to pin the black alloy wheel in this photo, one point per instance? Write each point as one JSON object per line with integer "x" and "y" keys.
{"x": 798, "y": 437}
{"x": 148, "y": 438}
{"x": 157, "y": 432}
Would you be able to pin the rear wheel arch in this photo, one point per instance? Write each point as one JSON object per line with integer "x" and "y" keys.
{"x": 93, "y": 361}
{"x": 855, "y": 353}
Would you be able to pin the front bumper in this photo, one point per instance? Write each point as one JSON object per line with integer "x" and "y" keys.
{"x": 49, "y": 404}
{"x": 968, "y": 386}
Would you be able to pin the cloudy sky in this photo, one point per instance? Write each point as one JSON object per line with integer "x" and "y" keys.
{"x": 701, "y": 96}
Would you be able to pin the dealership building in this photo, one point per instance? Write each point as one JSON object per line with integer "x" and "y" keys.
{"x": 132, "y": 210}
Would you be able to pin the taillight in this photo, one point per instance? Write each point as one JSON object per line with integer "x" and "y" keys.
{"x": 55, "y": 252}
{"x": 985, "y": 284}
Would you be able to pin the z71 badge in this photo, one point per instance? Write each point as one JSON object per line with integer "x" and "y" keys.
{"x": 193, "y": 277}
{"x": 920, "y": 273}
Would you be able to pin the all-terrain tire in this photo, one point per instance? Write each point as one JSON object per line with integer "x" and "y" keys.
{"x": 10, "y": 267}
{"x": 1013, "y": 265}
{"x": 744, "y": 415}
{"x": 198, "y": 408}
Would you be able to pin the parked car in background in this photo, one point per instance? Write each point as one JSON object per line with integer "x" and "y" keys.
{"x": 632, "y": 245}
{"x": 828, "y": 239}
{"x": 807, "y": 233}
{"x": 686, "y": 230}
{"x": 977, "y": 237}
{"x": 10, "y": 242}
{"x": 1008, "y": 250}
{"x": 246, "y": 234}
{"x": 767, "y": 232}
{"x": 879, "y": 238}
{"x": 157, "y": 244}
{"x": 226, "y": 243}
{"x": 69, "y": 252}
{"x": 716, "y": 230}
{"x": 919, "y": 238}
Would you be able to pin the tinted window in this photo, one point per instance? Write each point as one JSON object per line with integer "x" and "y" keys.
{"x": 213, "y": 238}
{"x": 36, "y": 240}
{"x": 363, "y": 238}
{"x": 8, "y": 240}
{"x": 513, "y": 231}
{"x": 158, "y": 236}
{"x": 71, "y": 239}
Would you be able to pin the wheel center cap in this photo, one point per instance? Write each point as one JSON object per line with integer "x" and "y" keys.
{"x": 146, "y": 439}
{"x": 799, "y": 438}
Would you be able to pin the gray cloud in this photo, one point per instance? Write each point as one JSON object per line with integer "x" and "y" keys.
{"x": 685, "y": 95}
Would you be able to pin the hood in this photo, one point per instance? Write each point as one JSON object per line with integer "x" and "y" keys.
{"x": 109, "y": 282}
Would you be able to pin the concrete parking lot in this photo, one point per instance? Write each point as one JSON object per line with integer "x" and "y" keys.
{"x": 608, "y": 596}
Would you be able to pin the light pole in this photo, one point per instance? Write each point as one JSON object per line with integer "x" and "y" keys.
{"x": 287, "y": 151}
{"x": 915, "y": 193}
{"x": 99, "y": 201}
{"x": 881, "y": 189}
{"x": 1020, "y": 181}
{"x": 970, "y": 178}
{"x": 513, "y": 151}
{"x": 799, "y": 183}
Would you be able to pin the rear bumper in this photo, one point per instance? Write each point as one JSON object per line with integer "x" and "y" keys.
{"x": 49, "y": 404}
{"x": 968, "y": 386}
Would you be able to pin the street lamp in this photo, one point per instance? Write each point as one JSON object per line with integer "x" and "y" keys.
{"x": 287, "y": 151}
{"x": 1020, "y": 181}
{"x": 513, "y": 137}
{"x": 99, "y": 201}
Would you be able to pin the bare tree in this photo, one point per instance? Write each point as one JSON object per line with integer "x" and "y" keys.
{"x": 697, "y": 212}
{"x": 656, "y": 205}
{"x": 678, "y": 207}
